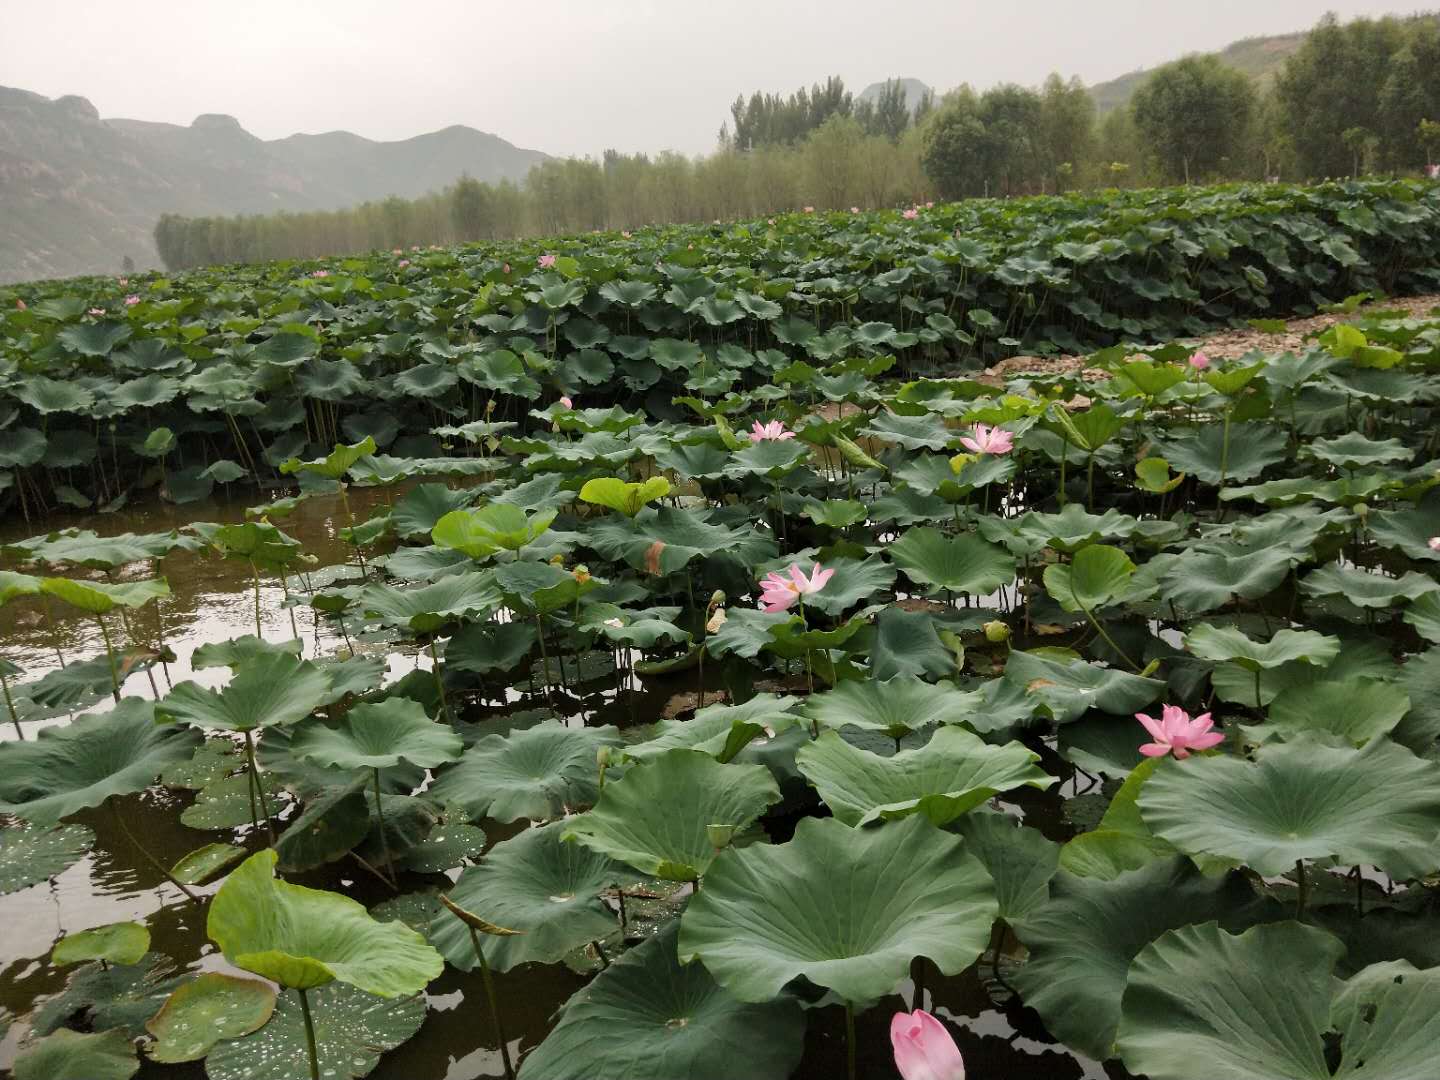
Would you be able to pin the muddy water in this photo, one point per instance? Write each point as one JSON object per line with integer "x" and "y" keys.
{"x": 213, "y": 600}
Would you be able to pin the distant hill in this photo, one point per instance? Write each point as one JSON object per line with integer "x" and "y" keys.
{"x": 914, "y": 91}
{"x": 79, "y": 193}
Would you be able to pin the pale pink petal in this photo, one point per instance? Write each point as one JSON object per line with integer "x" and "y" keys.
{"x": 819, "y": 577}
{"x": 1151, "y": 749}
{"x": 1153, "y": 726}
{"x": 970, "y": 444}
{"x": 1206, "y": 742}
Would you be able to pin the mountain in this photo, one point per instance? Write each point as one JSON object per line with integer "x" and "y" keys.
{"x": 79, "y": 193}
{"x": 914, "y": 91}
{"x": 1259, "y": 57}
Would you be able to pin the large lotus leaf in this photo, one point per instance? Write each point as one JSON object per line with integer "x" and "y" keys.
{"x": 377, "y": 736}
{"x": 260, "y": 542}
{"x": 1197, "y": 582}
{"x": 330, "y": 827}
{"x": 1355, "y": 709}
{"x": 204, "y": 863}
{"x": 1408, "y": 531}
{"x": 46, "y": 395}
{"x": 540, "y": 885}
{"x": 1365, "y": 589}
{"x": 647, "y": 1015}
{"x": 116, "y": 943}
{"x": 535, "y": 773}
{"x": 233, "y": 652}
{"x": 1098, "y": 575}
{"x": 29, "y": 856}
{"x": 964, "y": 564}
{"x": 721, "y": 731}
{"x": 1067, "y": 530}
{"x": 428, "y": 608}
{"x": 13, "y": 585}
{"x": 99, "y": 597}
{"x": 267, "y": 690}
{"x": 224, "y": 803}
{"x": 1070, "y": 687}
{"x": 422, "y": 507}
{"x": 853, "y": 582}
{"x": 1081, "y": 942}
{"x": 953, "y": 773}
{"x": 100, "y": 996}
{"x": 627, "y": 497}
{"x": 69, "y": 1055}
{"x": 927, "y": 432}
{"x": 907, "y": 644}
{"x": 1227, "y": 643}
{"x": 770, "y": 458}
{"x": 1353, "y": 450}
{"x": 483, "y": 647}
{"x": 448, "y": 845}
{"x": 1183, "y": 1005}
{"x": 336, "y": 464}
{"x": 1020, "y": 860}
{"x": 68, "y": 769}
{"x": 94, "y": 339}
{"x": 352, "y": 1030}
{"x": 144, "y": 393}
{"x": 1251, "y": 449}
{"x": 490, "y": 528}
{"x": 1305, "y": 798}
{"x": 210, "y": 1009}
{"x": 1424, "y": 616}
{"x": 86, "y": 548}
{"x": 640, "y": 629}
{"x": 771, "y": 914}
{"x": 304, "y": 938}
{"x": 745, "y": 633}
{"x": 657, "y": 818}
{"x": 664, "y": 540}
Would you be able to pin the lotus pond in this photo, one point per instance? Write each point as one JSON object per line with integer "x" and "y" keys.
{"x": 594, "y": 733}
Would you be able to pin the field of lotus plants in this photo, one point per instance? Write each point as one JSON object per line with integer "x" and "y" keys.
{"x": 671, "y": 656}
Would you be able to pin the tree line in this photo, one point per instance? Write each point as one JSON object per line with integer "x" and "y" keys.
{"x": 1356, "y": 98}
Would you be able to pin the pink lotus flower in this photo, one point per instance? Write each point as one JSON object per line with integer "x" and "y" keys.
{"x": 1434, "y": 543}
{"x": 770, "y": 221}
{"x": 779, "y": 593}
{"x": 396, "y": 251}
{"x": 774, "y": 430}
{"x": 625, "y": 233}
{"x": 96, "y": 311}
{"x": 1200, "y": 361}
{"x": 19, "y": 305}
{"x": 929, "y": 206}
{"x": 1176, "y": 733}
{"x": 403, "y": 263}
{"x": 132, "y": 300}
{"x": 923, "y": 1048}
{"x": 809, "y": 209}
{"x": 854, "y": 209}
{"x": 911, "y": 214}
{"x": 567, "y": 403}
{"x": 123, "y": 280}
{"x": 984, "y": 439}
{"x": 546, "y": 262}
{"x": 505, "y": 268}
{"x": 320, "y": 273}
{"x": 414, "y": 247}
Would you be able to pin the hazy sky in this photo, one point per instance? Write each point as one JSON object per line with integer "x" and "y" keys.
{"x": 577, "y": 76}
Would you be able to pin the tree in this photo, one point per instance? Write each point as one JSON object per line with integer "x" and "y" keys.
{"x": 953, "y": 147}
{"x": 1192, "y": 115}
{"x": 471, "y": 211}
{"x": 1067, "y": 129}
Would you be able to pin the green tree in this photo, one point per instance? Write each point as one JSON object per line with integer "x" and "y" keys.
{"x": 1192, "y": 115}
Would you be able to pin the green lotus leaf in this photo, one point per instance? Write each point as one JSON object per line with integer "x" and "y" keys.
{"x": 837, "y": 513}
{"x": 1082, "y": 942}
{"x": 1179, "y": 1008}
{"x": 1355, "y": 709}
{"x": 539, "y": 885}
{"x": 116, "y": 943}
{"x": 927, "y": 432}
{"x": 46, "y": 395}
{"x": 535, "y": 773}
{"x": 770, "y": 914}
{"x": 658, "y": 816}
{"x": 334, "y": 465}
{"x": 13, "y": 585}
{"x": 225, "y": 803}
{"x": 1070, "y": 529}
{"x": 332, "y": 825}
{"x": 721, "y": 731}
{"x": 1088, "y": 430}
{"x": 100, "y": 597}
{"x": 428, "y": 608}
{"x": 483, "y": 647}
{"x": 234, "y": 652}
{"x": 422, "y": 507}
{"x": 1424, "y": 615}
{"x": 303, "y": 938}
{"x": 951, "y": 774}
{"x": 646, "y": 1014}
{"x": 491, "y": 528}
{"x": 94, "y": 339}
{"x": 1068, "y": 687}
{"x": 268, "y": 690}
{"x": 30, "y": 856}
{"x": 377, "y": 736}
{"x": 1365, "y": 589}
{"x": 1353, "y": 450}
{"x": 210, "y": 1009}
{"x": 98, "y": 755}
{"x": 907, "y": 644}
{"x": 1408, "y": 531}
{"x": 1251, "y": 449}
{"x": 1121, "y": 841}
{"x": 1098, "y": 576}
{"x": 770, "y": 458}
{"x": 666, "y": 539}
{"x": 1019, "y": 859}
{"x": 628, "y": 498}
{"x": 1227, "y": 643}
{"x": 105, "y": 996}
{"x": 352, "y": 1030}
{"x": 964, "y": 564}
{"x": 1199, "y": 582}
{"x": 1305, "y": 798}
{"x": 202, "y": 864}
{"x": 853, "y": 582}
{"x": 69, "y": 1055}
{"x": 447, "y": 846}
{"x": 256, "y": 541}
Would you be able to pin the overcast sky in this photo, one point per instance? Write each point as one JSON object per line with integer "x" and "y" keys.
{"x": 577, "y": 76}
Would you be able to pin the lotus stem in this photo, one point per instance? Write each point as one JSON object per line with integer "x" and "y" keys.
{"x": 255, "y": 573}
{"x": 384, "y": 840}
{"x": 1304, "y": 891}
{"x": 1099, "y": 629}
{"x": 110, "y": 655}
{"x": 917, "y": 976}
{"x": 439, "y": 682}
{"x": 494, "y": 1004}
{"x": 600, "y": 952}
{"x": 850, "y": 1040}
{"x": 544, "y": 656}
{"x": 10, "y": 704}
{"x": 1258, "y": 704}
{"x": 144, "y": 851}
{"x": 259, "y": 787}
{"x": 309, "y": 1035}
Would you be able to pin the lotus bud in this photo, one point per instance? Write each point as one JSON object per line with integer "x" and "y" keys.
{"x": 716, "y": 621}
{"x": 1362, "y": 510}
{"x": 557, "y": 560}
{"x": 997, "y": 631}
{"x": 581, "y": 574}
{"x": 615, "y": 624}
